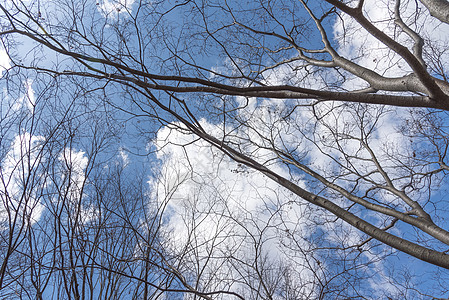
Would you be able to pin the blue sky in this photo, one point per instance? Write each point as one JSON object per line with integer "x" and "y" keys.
{"x": 220, "y": 206}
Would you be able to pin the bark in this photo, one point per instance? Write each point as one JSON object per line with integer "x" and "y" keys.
{"x": 438, "y": 9}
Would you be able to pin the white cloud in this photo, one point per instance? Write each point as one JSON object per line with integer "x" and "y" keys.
{"x": 218, "y": 209}
{"x": 17, "y": 171}
{"x": 22, "y": 176}
{"x": 355, "y": 44}
{"x": 73, "y": 166}
{"x": 114, "y": 8}
{"x": 25, "y": 102}
{"x": 124, "y": 158}
{"x": 5, "y": 62}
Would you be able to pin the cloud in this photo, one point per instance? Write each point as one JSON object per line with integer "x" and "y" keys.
{"x": 18, "y": 171}
{"x": 224, "y": 218}
{"x": 218, "y": 209}
{"x": 5, "y": 62}
{"x": 354, "y": 42}
{"x": 392, "y": 147}
{"x": 28, "y": 100}
{"x": 23, "y": 176}
{"x": 73, "y": 166}
{"x": 114, "y": 8}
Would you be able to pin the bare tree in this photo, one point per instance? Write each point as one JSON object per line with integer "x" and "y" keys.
{"x": 77, "y": 224}
{"x": 341, "y": 107}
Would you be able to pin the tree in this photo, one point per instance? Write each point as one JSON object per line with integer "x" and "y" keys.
{"x": 306, "y": 94}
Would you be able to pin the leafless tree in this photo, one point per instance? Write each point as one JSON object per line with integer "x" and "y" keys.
{"x": 343, "y": 109}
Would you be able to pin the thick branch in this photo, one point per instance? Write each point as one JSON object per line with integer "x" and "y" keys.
{"x": 421, "y": 223}
{"x": 408, "y": 83}
{"x": 438, "y": 9}
{"x": 433, "y": 90}
{"x": 419, "y": 42}
{"x": 274, "y": 92}
{"x": 418, "y": 251}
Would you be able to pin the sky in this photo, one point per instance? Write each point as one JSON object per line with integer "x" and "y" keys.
{"x": 194, "y": 166}
{"x": 229, "y": 219}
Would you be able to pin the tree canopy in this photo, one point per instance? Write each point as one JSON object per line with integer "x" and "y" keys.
{"x": 223, "y": 149}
